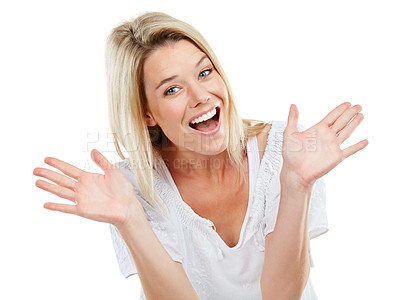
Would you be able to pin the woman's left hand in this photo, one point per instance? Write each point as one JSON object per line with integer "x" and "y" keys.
{"x": 316, "y": 151}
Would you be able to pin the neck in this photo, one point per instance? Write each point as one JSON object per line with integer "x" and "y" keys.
{"x": 191, "y": 164}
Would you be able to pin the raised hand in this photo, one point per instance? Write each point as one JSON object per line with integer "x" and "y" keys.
{"x": 105, "y": 198}
{"x": 314, "y": 152}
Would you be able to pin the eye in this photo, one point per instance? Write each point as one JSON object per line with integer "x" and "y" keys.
{"x": 171, "y": 91}
{"x": 205, "y": 73}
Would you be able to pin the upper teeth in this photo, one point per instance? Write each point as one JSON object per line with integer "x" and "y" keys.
{"x": 204, "y": 117}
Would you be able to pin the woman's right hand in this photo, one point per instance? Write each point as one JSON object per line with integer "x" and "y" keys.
{"x": 106, "y": 198}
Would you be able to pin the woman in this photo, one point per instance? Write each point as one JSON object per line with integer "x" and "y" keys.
{"x": 207, "y": 205}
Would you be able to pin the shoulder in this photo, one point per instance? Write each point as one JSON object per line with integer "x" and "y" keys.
{"x": 150, "y": 207}
{"x": 123, "y": 164}
{"x": 126, "y": 168}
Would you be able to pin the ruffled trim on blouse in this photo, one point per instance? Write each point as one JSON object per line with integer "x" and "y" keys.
{"x": 171, "y": 196}
{"x": 269, "y": 168}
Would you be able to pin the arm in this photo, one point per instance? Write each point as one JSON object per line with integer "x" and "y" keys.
{"x": 161, "y": 277}
{"x": 307, "y": 156}
{"x": 286, "y": 263}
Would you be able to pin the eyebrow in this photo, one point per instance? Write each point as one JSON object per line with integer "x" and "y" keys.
{"x": 201, "y": 60}
{"x": 166, "y": 80}
{"x": 175, "y": 76}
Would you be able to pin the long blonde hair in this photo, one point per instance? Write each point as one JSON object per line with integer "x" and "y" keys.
{"x": 127, "y": 47}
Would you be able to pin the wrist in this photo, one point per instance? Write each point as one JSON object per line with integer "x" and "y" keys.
{"x": 133, "y": 227}
{"x": 295, "y": 181}
{"x": 134, "y": 216}
{"x": 134, "y": 231}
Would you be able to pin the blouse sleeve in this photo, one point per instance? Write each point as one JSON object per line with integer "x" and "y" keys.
{"x": 163, "y": 228}
{"x": 317, "y": 215}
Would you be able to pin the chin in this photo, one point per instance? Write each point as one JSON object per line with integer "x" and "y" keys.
{"x": 213, "y": 147}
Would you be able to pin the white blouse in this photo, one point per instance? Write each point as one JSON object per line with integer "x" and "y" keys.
{"x": 215, "y": 270}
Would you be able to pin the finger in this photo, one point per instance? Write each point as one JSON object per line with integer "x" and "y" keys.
{"x": 292, "y": 119}
{"x": 345, "y": 118}
{"x": 65, "y": 208}
{"x": 336, "y": 113}
{"x": 355, "y": 148}
{"x": 348, "y": 130}
{"x": 57, "y": 190}
{"x": 101, "y": 161}
{"x": 55, "y": 177}
{"x": 64, "y": 167}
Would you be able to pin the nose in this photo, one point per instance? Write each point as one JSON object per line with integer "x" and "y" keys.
{"x": 198, "y": 94}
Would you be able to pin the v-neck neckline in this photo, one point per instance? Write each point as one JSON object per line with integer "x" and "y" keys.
{"x": 210, "y": 224}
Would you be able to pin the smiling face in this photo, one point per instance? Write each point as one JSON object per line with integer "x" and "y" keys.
{"x": 181, "y": 85}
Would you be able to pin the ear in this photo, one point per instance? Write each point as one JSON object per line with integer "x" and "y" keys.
{"x": 150, "y": 119}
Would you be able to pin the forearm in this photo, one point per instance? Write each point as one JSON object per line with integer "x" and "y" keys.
{"x": 161, "y": 277}
{"x": 286, "y": 263}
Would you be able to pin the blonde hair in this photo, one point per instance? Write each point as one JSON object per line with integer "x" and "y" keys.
{"x": 127, "y": 47}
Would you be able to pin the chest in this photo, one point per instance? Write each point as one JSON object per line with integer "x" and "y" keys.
{"x": 224, "y": 204}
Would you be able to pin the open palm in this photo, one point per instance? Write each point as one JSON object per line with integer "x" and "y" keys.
{"x": 314, "y": 152}
{"x": 105, "y": 198}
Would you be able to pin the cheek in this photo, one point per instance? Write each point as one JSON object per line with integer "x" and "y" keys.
{"x": 172, "y": 112}
{"x": 220, "y": 87}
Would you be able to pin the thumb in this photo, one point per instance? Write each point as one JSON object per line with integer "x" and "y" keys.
{"x": 101, "y": 161}
{"x": 293, "y": 118}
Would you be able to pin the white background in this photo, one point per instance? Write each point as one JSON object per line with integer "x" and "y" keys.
{"x": 316, "y": 54}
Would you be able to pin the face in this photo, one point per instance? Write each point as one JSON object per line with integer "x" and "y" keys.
{"x": 182, "y": 85}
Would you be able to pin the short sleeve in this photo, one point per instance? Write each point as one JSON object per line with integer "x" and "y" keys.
{"x": 163, "y": 228}
{"x": 317, "y": 215}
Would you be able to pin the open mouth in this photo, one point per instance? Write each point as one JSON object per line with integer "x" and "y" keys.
{"x": 208, "y": 125}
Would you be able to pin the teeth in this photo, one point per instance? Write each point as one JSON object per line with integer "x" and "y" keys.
{"x": 205, "y": 117}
